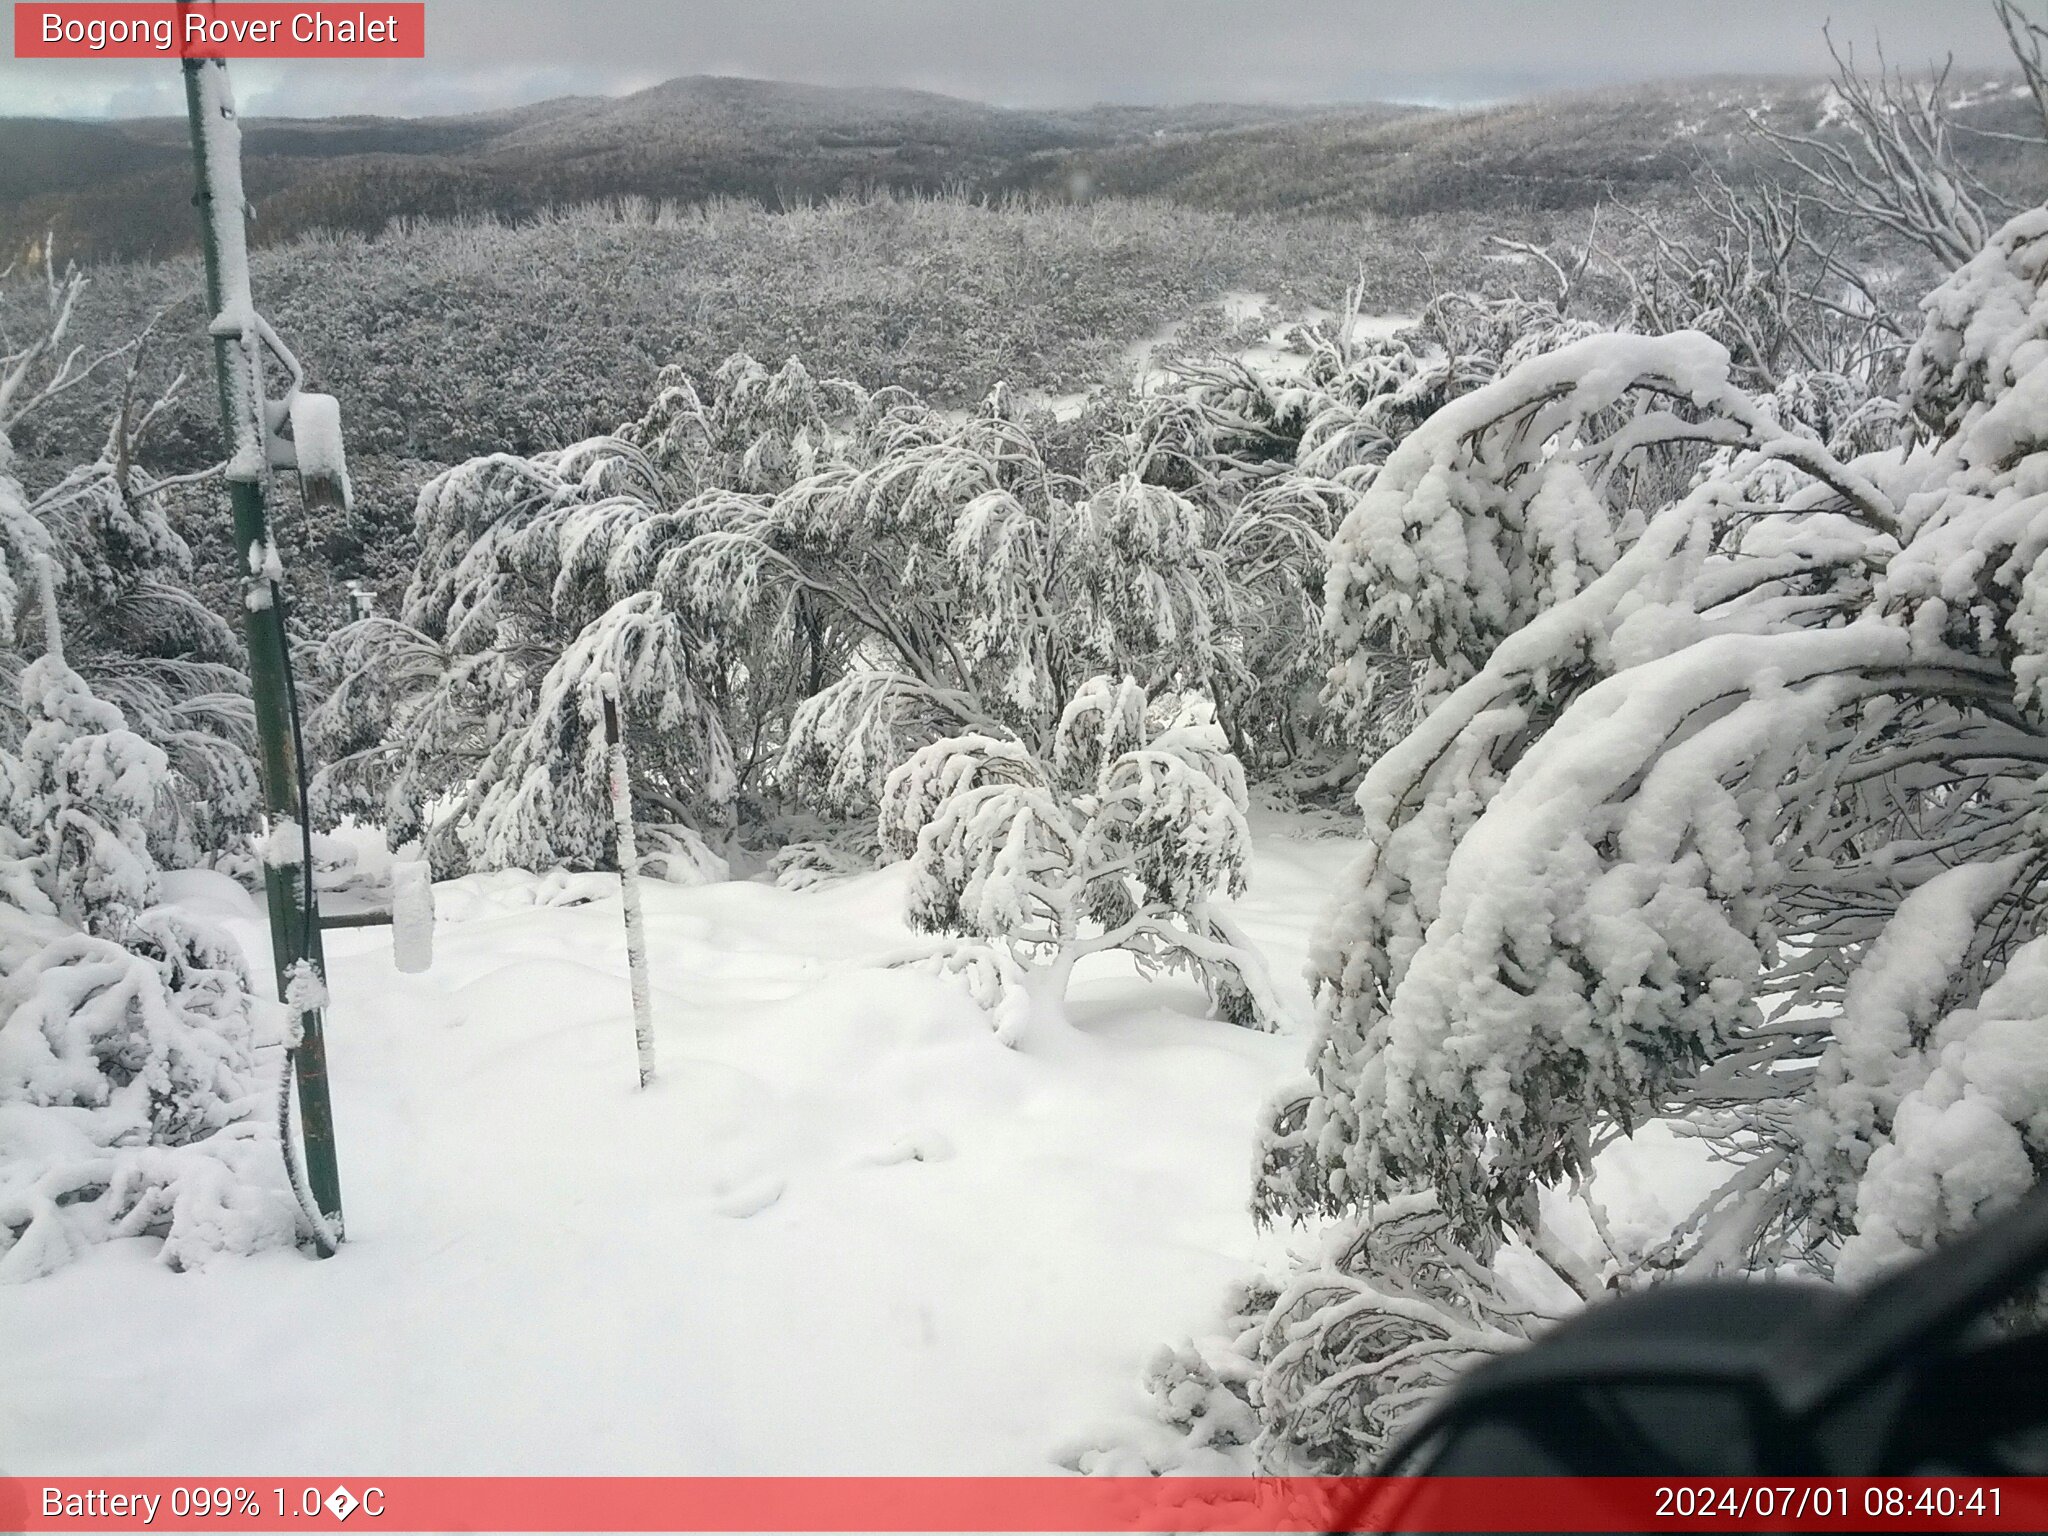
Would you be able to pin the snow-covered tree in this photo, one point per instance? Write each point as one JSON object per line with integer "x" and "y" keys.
{"x": 1893, "y": 163}
{"x": 129, "y": 1101}
{"x": 1275, "y": 460}
{"x": 84, "y": 794}
{"x": 1122, "y": 842}
{"x": 1726, "y": 812}
{"x": 983, "y": 587}
{"x": 1753, "y": 275}
{"x": 537, "y": 574}
{"x": 133, "y": 628}
{"x": 826, "y": 581}
{"x": 538, "y": 799}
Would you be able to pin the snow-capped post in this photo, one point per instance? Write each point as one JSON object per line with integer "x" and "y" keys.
{"x": 242, "y": 343}
{"x": 629, "y": 876}
{"x": 412, "y": 916}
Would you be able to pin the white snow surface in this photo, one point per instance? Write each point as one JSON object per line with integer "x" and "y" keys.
{"x": 845, "y": 1231}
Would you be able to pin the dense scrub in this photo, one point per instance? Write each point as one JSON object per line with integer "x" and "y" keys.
{"x": 449, "y": 339}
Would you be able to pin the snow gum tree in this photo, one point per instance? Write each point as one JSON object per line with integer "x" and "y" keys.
{"x": 813, "y": 581}
{"x": 1121, "y": 842}
{"x": 1276, "y": 462}
{"x": 539, "y": 574}
{"x": 1725, "y": 811}
{"x": 980, "y": 589}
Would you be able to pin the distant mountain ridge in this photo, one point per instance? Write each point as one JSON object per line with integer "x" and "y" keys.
{"x": 123, "y": 188}
{"x": 1625, "y": 143}
{"x": 112, "y": 190}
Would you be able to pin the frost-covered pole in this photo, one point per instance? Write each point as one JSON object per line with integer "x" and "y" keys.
{"x": 629, "y": 878}
{"x": 238, "y": 360}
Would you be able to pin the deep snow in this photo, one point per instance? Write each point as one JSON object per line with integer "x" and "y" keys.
{"x": 847, "y": 1231}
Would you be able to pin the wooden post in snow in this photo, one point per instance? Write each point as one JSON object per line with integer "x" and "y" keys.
{"x": 412, "y": 915}
{"x": 629, "y": 879}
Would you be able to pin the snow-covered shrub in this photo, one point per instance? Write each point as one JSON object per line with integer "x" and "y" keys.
{"x": 133, "y": 628}
{"x": 1727, "y": 810}
{"x": 83, "y": 795}
{"x": 130, "y": 1101}
{"x": 1404, "y": 1304}
{"x": 1278, "y": 460}
{"x": 806, "y": 865}
{"x": 819, "y": 581}
{"x": 474, "y": 716}
{"x": 1122, "y": 843}
{"x": 981, "y": 587}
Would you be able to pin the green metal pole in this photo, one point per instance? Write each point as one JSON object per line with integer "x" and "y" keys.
{"x": 294, "y": 913}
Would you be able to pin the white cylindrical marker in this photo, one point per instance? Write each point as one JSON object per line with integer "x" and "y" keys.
{"x": 629, "y": 879}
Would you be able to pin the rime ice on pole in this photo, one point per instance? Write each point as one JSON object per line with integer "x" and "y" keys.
{"x": 221, "y": 143}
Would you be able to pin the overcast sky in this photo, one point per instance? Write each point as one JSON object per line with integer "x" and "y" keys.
{"x": 494, "y": 53}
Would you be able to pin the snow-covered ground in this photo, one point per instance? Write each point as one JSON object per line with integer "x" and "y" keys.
{"x": 846, "y": 1231}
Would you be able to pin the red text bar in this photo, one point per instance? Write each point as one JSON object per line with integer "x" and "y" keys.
{"x": 365, "y": 29}
{"x": 1015, "y": 1504}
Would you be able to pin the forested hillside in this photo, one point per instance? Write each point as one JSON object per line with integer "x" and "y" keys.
{"x": 121, "y": 189}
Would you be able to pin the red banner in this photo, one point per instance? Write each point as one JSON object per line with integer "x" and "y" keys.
{"x": 1006, "y": 1504}
{"x": 365, "y": 29}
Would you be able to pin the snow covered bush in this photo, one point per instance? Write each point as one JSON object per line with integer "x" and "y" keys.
{"x": 121, "y": 580}
{"x": 129, "y": 1102}
{"x": 1121, "y": 843}
{"x": 1279, "y": 457}
{"x": 474, "y": 716}
{"x": 813, "y": 581}
{"x": 977, "y": 588}
{"x": 1726, "y": 811}
{"x": 816, "y": 581}
{"x": 81, "y": 800}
